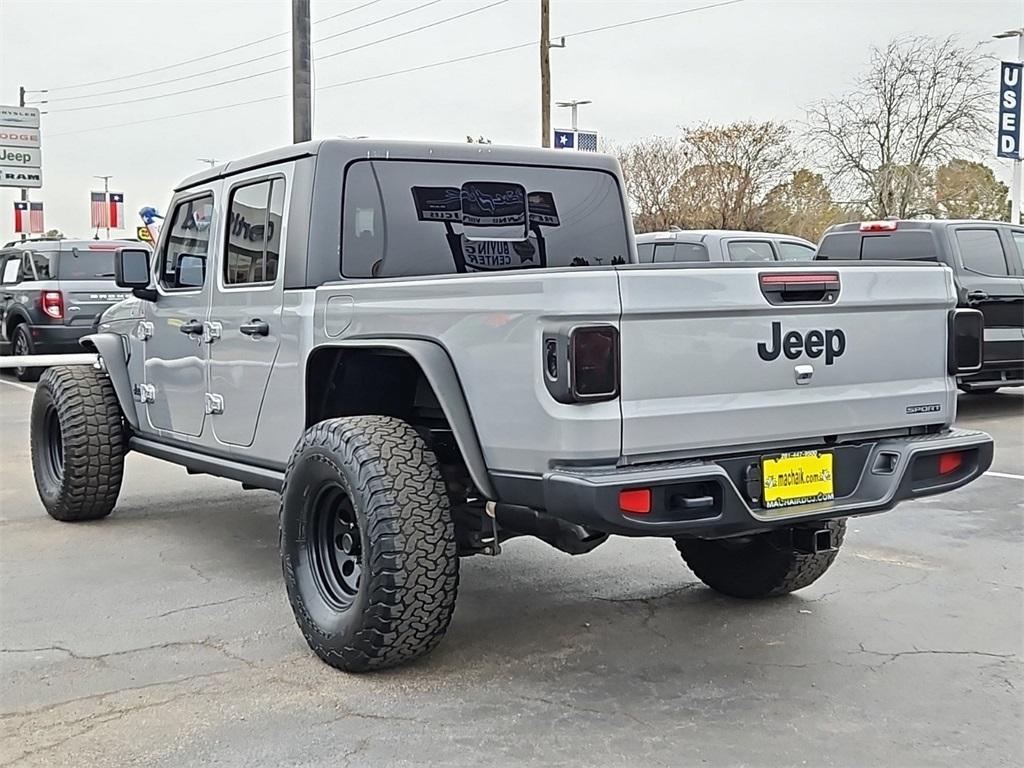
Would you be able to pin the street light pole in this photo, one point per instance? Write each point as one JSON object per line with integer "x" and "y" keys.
{"x": 1015, "y": 191}
{"x": 574, "y": 104}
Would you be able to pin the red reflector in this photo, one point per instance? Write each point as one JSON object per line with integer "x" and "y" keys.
{"x": 53, "y": 304}
{"x": 878, "y": 226}
{"x": 800, "y": 277}
{"x": 636, "y": 501}
{"x": 950, "y": 462}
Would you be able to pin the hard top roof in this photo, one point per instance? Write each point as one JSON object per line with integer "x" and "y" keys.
{"x": 905, "y": 224}
{"x": 699, "y": 235}
{"x": 354, "y": 149}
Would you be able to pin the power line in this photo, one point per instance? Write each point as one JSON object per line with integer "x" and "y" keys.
{"x": 407, "y": 70}
{"x": 283, "y": 68}
{"x": 246, "y": 61}
{"x": 204, "y": 57}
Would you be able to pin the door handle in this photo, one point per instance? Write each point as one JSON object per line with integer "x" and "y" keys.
{"x": 977, "y": 296}
{"x": 255, "y": 327}
{"x": 192, "y": 328}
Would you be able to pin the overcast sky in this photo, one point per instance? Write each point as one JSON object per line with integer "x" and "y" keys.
{"x": 755, "y": 59}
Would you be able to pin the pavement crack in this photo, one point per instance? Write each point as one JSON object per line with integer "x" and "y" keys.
{"x": 195, "y": 569}
{"x": 892, "y": 656}
{"x": 197, "y": 606}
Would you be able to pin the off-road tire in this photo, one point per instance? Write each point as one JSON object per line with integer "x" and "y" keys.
{"x": 763, "y": 565}
{"x": 405, "y": 592}
{"x": 78, "y": 443}
{"x": 21, "y": 344}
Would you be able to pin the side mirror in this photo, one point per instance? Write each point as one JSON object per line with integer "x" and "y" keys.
{"x": 131, "y": 270}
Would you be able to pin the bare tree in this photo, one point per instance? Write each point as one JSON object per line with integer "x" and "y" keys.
{"x": 653, "y": 168}
{"x": 730, "y": 169}
{"x": 921, "y": 102}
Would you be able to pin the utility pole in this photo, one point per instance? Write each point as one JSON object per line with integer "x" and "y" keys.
{"x": 302, "y": 96}
{"x": 106, "y": 200}
{"x": 545, "y": 73}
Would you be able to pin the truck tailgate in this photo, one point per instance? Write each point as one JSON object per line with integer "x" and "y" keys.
{"x": 693, "y": 377}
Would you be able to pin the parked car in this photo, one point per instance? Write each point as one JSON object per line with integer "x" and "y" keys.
{"x": 720, "y": 245}
{"x": 987, "y": 259}
{"x": 53, "y": 292}
{"x": 431, "y": 349}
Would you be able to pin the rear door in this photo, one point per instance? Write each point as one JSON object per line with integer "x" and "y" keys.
{"x": 246, "y": 304}
{"x": 989, "y": 282}
{"x": 749, "y": 250}
{"x": 790, "y": 250}
{"x": 708, "y": 361}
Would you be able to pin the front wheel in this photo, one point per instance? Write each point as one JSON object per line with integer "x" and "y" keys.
{"x": 367, "y": 543}
{"x": 762, "y": 565}
{"x": 78, "y": 443}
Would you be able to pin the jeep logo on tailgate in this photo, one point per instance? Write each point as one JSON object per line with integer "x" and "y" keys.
{"x": 831, "y": 343}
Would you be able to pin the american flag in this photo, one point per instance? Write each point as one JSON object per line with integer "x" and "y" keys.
{"x": 586, "y": 141}
{"x": 100, "y": 211}
{"x": 35, "y": 218}
{"x": 21, "y": 223}
{"x": 116, "y": 210}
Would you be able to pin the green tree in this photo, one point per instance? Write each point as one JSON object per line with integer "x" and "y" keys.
{"x": 969, "y": 190}
{"x": 801, "y": 206}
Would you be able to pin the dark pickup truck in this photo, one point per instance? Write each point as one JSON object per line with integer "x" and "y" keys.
{"x": 987, "y": 259}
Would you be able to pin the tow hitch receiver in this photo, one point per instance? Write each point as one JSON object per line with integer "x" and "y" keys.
{"x": 811, "y": 541}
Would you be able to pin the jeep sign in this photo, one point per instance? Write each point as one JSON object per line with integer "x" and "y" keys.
{"x": 21, "y": 158}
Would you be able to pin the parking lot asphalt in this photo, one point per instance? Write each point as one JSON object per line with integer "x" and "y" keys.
{"x": 161, "y": 636}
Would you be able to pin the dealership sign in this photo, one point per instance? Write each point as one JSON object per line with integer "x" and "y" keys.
{"x": 21, "y": 158}
{"x": 1009, "y": 110}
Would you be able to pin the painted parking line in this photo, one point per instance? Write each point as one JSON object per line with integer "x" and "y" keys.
{"x": 19, "y": 385}
{"x": 1007, "y": 475}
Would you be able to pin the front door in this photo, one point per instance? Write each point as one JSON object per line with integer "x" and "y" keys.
{"x": 175, "y": 330}
{"x": 246, "y": 307}
{"x": 989, "y": 283}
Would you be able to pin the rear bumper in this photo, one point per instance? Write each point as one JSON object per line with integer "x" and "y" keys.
{"x": 875, "y": 483}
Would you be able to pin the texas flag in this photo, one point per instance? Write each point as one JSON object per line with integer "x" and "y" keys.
{"x": 116, "y": 210}
{"x": 21, "y": 217}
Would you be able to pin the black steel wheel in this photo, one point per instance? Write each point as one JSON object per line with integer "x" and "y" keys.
{"x": 367, "y": 543}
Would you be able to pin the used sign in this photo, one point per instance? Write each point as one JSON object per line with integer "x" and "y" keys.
{"x": 1009, "y": 110}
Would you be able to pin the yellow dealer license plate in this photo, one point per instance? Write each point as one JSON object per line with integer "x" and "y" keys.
{"x": 797, "y": 478}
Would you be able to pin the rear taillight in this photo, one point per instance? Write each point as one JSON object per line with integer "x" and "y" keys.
{"x": 594, "y": 362}
{"x": 878, "y": 226}
{"x": 53, "y": 304}
{"x": 966, "y": 341}
{"x": 950, "y": 462}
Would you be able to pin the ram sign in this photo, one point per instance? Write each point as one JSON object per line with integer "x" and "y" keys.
{"x": 1009, "y": 110}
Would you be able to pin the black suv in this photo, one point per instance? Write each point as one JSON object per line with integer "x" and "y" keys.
{"x": 987, "y": 258}
{"x": 51, "y": 294}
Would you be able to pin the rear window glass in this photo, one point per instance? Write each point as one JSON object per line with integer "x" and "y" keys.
{"x": 908, "y": 245}
{"x": 404, "y": 218}
{"x": 80, "y": 264}
{"x": 795, "y": 252}
{"x": 981, "y": 251}
{"x": 750, "y": 250}
{"x": 678, "y": 252}
{"x": 645, "y": 252}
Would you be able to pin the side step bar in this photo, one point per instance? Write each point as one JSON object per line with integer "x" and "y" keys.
{"x": 204, "y": 464}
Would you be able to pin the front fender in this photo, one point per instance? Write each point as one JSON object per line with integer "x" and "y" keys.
{"x": 110, "y": 348}
{"x": 440, "y": 374}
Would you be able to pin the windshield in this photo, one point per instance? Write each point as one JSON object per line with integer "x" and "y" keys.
{"x": 84, "y": 264}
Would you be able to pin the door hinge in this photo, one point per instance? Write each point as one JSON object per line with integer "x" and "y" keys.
{"x": 144, "y": 330}
{"x": 144, "y": 393}
{"x": 214, "y": 403}
{"x": 212, "y": 331}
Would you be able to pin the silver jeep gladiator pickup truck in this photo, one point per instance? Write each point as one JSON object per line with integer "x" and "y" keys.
{"x": 431, "y": 349}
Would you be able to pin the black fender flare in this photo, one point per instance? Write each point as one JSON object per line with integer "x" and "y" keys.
{"x": 15, "y": 316}
{"x": 110, "y": 348}
{"x": 437, "y": 366}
